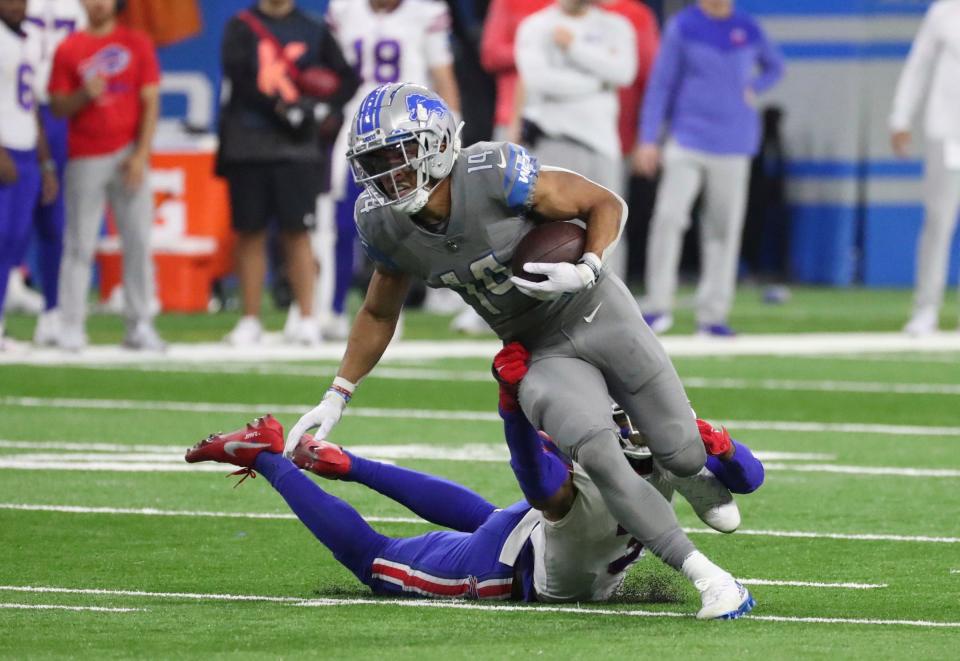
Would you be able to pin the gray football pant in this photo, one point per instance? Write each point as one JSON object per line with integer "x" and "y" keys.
{"x": 724, "y": 181}
{"x": 941, "y": 195}
{"x": 89, "y": 184}
{"x": 575, "y": 370}
{"x": 597, "y": 167}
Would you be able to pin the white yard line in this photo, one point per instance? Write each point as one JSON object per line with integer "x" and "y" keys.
{"x": 76, "y": 509}
{"x": 812, "y": 584}
{"x": 439, "y": 414}
{"x": 97, "y": 609}
{"x": 150, "y": 511}
{"x": 474, "y": 606}
{"x": 823, "y": 386}
{"x": 467, "y": 452}
{"x": 483, "y": 376}
{"x": 273, "y": 350}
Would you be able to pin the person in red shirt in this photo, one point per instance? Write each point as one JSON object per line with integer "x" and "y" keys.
{"x": 105, "y": 80}
{"x": 644, "y": 23}
{"x": 496, "y": 56}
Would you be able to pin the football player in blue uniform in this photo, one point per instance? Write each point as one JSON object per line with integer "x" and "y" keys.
{"x": 560, "y": 544}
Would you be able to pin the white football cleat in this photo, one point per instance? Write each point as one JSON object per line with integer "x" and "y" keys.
{"x": 71, "y": 339}
{"x": 247, "y": 333}
{"x": 336, "y": 328}
{"x": 307, "y": 332}
{"x": 659, "y": 322}
{"x": 723, "y": 598}
{"x": 292, "y": 323}
{"x": 47, "y": 329}
{"x": 142, "y": 336}
{"x": 923, "y": 322}
{"x": 19, "y": 297}
{"x": 712, "y": 501}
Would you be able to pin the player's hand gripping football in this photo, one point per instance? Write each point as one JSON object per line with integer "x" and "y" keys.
{"x": 562, "y": 277}
{"x": 323, "y": 416}
{"x": 509, "y": 368}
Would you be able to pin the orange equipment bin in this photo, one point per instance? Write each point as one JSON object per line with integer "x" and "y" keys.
{"x": 191, "y": 240}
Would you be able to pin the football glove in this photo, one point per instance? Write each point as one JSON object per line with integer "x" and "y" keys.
{"x": 716, "y": 440}
{"x": 509, "y": 368}
{"x": 324, "y": 416}
{"x": 562, "y": 278}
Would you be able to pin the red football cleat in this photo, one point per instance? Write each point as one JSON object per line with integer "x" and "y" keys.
{"x": 240, "y": 447}
{"x": 321, "y": 457}
{"x": 716, "y": 440}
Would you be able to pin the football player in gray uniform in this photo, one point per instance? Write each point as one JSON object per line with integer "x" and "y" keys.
{"x": 453, "y": 217}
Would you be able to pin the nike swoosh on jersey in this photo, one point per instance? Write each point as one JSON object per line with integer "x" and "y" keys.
{"x": 503, "y": 161}
{"x": 230, "y": 447}
{"x": 589, "y": 317}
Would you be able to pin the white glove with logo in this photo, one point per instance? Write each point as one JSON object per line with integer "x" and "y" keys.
{"x": 323, "y": 416}
{"x": 562, "y": 278}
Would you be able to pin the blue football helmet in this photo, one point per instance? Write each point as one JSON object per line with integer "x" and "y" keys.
{"x": 403, "y": 141}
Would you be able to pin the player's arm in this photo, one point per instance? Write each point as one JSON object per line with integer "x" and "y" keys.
{"x": 543, "y": 478}
{"x": 67, "y": 104}
{"x": 731, "y": 461}
{"x": 370, "y": 334}
{"x": 564, "y": 195}
{"x": 496, "y": 43}
{"x": 50, "y": 185}
{"x": 541, "y": 75}
{"x": 135, "y": 166}
{"x": 374, "y": 324}
{"x": 914, "y": 82}
{"x": 614, "y": 61}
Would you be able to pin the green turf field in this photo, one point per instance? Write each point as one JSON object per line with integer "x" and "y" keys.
{"x": 852, "y": 545}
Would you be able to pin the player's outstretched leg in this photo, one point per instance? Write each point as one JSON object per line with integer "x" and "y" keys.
{"x": 240, "y": 447}
{"x": 430, "y": 497}
{"x": 334, "y": 522}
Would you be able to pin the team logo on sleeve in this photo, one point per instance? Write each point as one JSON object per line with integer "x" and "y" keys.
{"x": 422, "y": 107}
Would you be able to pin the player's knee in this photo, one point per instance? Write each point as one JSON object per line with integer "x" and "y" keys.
{"x": 686, "y": 454}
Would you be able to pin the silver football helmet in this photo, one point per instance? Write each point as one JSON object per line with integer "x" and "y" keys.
{"x": 403, "y": 141}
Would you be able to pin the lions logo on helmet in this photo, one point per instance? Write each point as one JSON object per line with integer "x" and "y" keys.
{"x": 403, "y": 142}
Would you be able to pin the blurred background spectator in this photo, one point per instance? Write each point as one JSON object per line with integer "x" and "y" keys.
{"x": 385, "y": 41}
{"x": 49, "y": 22}
{"x": 105, "y": 80}
{"x": 287, "y": 83}
{"x": 702, "y": 99}
{"x": 931, "y": 76}
{"x": 828, "y": 204}
{"x": 572, "y": 57}
{"x": 25, "y": 164}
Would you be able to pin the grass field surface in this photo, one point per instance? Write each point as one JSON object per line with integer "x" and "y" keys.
{"x": 114, "y": 547}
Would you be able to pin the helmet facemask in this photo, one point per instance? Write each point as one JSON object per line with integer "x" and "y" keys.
{"x": 398, "y": 174}
{"x": 411, "y": 147}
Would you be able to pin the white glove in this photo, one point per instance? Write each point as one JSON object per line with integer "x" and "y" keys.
{"x": 323, "y": 416}
{"x": 562, "y": 278}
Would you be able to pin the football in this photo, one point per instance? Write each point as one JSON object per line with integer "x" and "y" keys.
{"x": 550, "y": 242}
{"x": 318, "y": 82}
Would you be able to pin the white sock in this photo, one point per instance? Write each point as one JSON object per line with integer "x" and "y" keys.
{"x": 697, "y": 567}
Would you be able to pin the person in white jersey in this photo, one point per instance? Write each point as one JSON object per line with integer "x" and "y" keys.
{"x": 932, "y": 74}
{"x": 25, "y": 175}
{"x": 49, "y": 22}
{"x": 386, "y": 41}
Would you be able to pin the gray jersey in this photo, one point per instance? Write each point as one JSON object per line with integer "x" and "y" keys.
{"x": 492, "y": 191}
